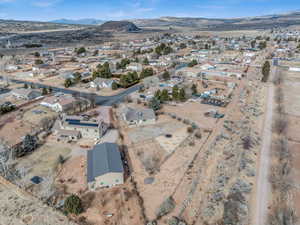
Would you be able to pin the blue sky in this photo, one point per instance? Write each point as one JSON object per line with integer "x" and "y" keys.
{"x": 44, "y": 10}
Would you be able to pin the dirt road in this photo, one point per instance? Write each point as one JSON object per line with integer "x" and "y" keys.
{"x": 263, "y": 185}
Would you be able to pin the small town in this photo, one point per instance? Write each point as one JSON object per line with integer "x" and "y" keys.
{"x": 155, "y": 128}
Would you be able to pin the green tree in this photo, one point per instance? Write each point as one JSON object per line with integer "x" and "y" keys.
{"x": 175, "y": 93}
{"x": 253, "y": 43}
{"x": 262, "y": 45}
{"x": 164, "y": 96}
{"x": 182, "y": 45}
{"x": 193, "y": 63}
{"x": 96, "y": 52}
{"x": 123, "y": 63}
{"x": 37, "y": 54}
{"x": 166, "y": 75}
{"x": 146, "y": 61}
{"x": 68, "y": 82}
{"x": 194, "y": 89}
{"x": 80, "y": 50}
{"x": 38, "y": 62}
{"x": 181, "y": 96}
{"x": 114, "y": 86}
{"x": 157, "y": 94}
{"x": 154, "y": 104}
{"x": 104, "y": 71}
{"x": 26, "y": 86}
{"x": 44, "y": 91}
{"x": 147, "y": 72}
{"x": 266, "y": 71}
{"x": 73, "y": 205}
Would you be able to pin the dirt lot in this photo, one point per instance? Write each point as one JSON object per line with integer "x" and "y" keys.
{"x": 194, "y": 111}
{"x": 44, "y": 163}
{"x": 19, "y": 208}
{"x": 13, "y": 127}
{"x": 292, "y": 106}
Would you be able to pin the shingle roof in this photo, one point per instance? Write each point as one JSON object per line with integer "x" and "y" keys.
{"x": 102, "y": 159}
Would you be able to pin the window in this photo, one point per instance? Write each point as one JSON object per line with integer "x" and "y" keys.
{"x": 117, "y": 180}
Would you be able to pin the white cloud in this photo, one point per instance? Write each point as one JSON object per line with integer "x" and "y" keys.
{"x": 45, "y": 3}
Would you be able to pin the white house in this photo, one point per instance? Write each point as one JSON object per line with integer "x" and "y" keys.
{"x": 135, "y": 67}
{"x": 101, "y": 83}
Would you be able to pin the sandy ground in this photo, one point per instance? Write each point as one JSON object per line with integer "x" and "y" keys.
{"x": 292, "y": 105}
{"x": 194, "y": 111}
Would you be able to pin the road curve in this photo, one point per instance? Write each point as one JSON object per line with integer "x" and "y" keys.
{"x": 99, "y": 100}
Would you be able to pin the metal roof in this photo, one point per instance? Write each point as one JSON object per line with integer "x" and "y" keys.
{"x": 102, "y": 159}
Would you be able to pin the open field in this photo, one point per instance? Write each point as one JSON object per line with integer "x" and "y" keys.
{"x": 291, "y": 90}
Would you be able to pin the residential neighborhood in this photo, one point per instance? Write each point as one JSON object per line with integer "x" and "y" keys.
{"x": 156, "y": 125}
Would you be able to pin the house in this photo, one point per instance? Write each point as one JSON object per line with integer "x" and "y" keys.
{"x": 62, "y": 103}
{"x": 104, "y": 166}
{"x": 101, "y": 83}
{"x": 138, "y": 117}
{"x": 91, "y": 129}
{"x": 68, "y": 135}
{"x": 135, "y": 67}
{"x": 27, "y": 94}
{"x": 189, "y": 72}
{"x": 207, "y": 66}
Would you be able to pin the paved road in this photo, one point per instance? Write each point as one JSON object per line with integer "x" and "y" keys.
{"x": 99, "y": 100}
{"x": 263, "y": 185}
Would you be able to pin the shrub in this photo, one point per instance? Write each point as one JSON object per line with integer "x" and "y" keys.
{"x": 190, "y": 129}
{"x": 73, "y": 205}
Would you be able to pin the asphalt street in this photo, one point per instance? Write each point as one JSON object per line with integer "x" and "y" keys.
{"x": 99, "y": 100}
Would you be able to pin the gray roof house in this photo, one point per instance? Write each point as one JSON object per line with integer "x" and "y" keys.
{"x": 104, "y": 166}
{"x": 139, "y": 117}
{"x": 27, "y": 94}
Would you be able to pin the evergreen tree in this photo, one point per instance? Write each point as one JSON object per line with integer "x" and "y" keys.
{"x": 194, "y": 89}
{"x": 164, "y": 96}
{"x": 181, "y": 96}
{"x": 44, "y": 91}
{"x": 154, "y": 104}
{"x": 114, "y": 86}
{"x": 266, "y": 71}
{"x": 68, "y": 82}
{"x": 175, "y": 93}
{"x": 146, "y": 61}
{"x": 166, "y": 75}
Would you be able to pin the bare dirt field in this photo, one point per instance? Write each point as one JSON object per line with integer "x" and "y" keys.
{"x": 291, "y": 91}
{"x": 19, "y": 208}
{"x": 194, "y": 111}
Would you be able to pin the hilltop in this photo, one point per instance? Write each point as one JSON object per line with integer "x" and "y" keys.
{"x": 119, "y": 26}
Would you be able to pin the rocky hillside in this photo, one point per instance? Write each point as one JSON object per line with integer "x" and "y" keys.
{"x": 119, "y": 26}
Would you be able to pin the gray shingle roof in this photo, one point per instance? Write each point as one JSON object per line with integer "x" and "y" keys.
{"x": 102, "y": 159}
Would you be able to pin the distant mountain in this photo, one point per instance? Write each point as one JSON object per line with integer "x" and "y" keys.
{"x": 79, "y": 21}
{"x": 120, "y": 26}
{"x": 259, "y": 22}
